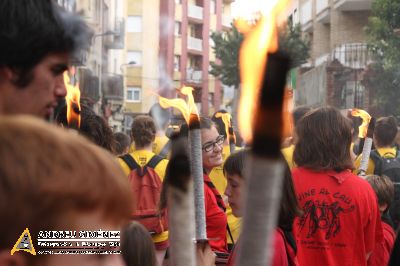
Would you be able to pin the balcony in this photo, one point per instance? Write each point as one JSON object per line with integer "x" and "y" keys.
{"x": 353, "y": 5}
{"x": 226, "y": 21}
{"x": 116, "y": 40}
{"x": 195, "y": 44}
{"x": 113, "y": 88}
{"x": 306, "y": 16}
{"x": 323, "y": 11}
{"x": 193, "y": 75}
{"x": 195, "y": 12}
{"x": 353, "y": 55}
{"x": 89, "y": 84}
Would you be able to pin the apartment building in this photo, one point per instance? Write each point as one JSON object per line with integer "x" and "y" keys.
{"x": 102, "y": 61}
{"x": 168, "y": 46}
{"x": 338, "y": 57}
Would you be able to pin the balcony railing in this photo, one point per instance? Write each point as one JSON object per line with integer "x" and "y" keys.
{"x": 116, "y": 40}
{"x": 353, "y": 5}
{"x": 323, "y": 11}
{"x": 306, "y": 15}
{"x": 193, "y": 75}
{"x": 321, "y": 5}
{"x": 195, "y": 12}
{"x": 354, "y": 55}
{"x": 195, "y": 44}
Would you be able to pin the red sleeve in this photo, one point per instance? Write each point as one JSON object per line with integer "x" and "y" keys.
{"x": 280, "y": 256}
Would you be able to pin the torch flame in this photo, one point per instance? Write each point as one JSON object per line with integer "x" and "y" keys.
{"x": 366, "y": 118}
{"x": 73, "y": 102}
{"x": 226, "y": 118}
{"x": 259, "y": 41}
{"x": 186, "y": 108}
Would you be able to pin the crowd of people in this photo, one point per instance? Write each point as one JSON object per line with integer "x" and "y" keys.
{"x": 57, "y": 179}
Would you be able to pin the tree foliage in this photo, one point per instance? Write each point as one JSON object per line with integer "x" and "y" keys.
{"x": 292, "y": 42}
{"x": 227, "y": 44}
{"x": 226, "y": 48}
{"x": 383, "y": 31}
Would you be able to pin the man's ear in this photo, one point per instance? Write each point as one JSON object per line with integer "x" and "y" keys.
{"x": 6, "y": 259}
{"x": 6, "y": 74}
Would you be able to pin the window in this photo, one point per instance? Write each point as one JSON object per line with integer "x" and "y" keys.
{"x": 134, "y": 56}
{"x": 134, "y": 94}
{"x": 177, "y": 62}
{"x": 178, "y": 28}
{"x": 134, "y": 24}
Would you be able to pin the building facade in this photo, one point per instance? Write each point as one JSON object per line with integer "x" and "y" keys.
{"x": 168, "y": 46}
{"x": 338, "y": 57}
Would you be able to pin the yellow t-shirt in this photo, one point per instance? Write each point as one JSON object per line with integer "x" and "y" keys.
{"x": 220, "y": 182}
{"x": 288, "y": 154}
{"x": 158, "y": 144}
{"x": 371, "y": 165}
{"x": 142, "y": 157}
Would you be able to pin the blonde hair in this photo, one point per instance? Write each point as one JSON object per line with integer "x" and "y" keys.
{"x": 47, "y": 172}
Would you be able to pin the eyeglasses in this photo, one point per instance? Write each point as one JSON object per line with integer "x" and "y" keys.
{"x": 209, "y": 146}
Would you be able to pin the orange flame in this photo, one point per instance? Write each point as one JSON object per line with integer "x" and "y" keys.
{"x": 366, "y": 118}
{"x": 186, "y": 108}
{"x": 73, "y": 102}
{"x": 260, "y": 40}
{"x": 226, "y": 118}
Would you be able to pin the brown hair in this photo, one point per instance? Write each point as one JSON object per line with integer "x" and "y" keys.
{"x": 324, "y": 138}
{"x": 48, "y": 174}
{"x": 289, "y": 207}
{"x": 93, "y": 126}
{"x": 122, "y": 142}
{"x": 143, "y": 131}
{"x": 383, "y": 187}
{"x": 137, "y": 246}
{"x": 385, "y": 131}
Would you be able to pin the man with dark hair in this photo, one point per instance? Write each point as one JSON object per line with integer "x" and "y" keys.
{"x": 37, "y": 41}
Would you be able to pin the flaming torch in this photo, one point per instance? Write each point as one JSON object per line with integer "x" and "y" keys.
{"x": 73, "y": 103}
{"x": 180, "y": 205}
{"x": 366, "y": 132}
{"x": 227, "y": 119}
{"x": 263, "y": 71}
{"x": 190, "y": 113}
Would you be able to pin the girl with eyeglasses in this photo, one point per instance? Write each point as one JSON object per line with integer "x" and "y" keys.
{"x": 216, "y": 221}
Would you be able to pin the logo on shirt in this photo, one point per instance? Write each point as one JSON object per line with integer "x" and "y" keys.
{"x": 322, "y": 216}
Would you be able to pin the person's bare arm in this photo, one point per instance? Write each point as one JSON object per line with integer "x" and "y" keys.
{"x": 204, "y": 255}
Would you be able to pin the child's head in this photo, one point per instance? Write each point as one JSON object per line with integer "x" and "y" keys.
{"x": 122, "y": 143}
{"x": 51, "y": 179}
{"x": 384, "y": 190}
{"x": 233, "y": 170}
{"x": 385, "y": 131}
{"x": 137, "y": 246}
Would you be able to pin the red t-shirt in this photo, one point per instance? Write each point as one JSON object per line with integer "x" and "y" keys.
{"x": 381, "y": 254}
{"x": 216, "y": 220}
{"x": 280, "y": 256}
{"x": 341, "y": 221}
